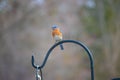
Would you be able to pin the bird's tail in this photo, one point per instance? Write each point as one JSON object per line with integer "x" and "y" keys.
{"x": 61, "y": 46}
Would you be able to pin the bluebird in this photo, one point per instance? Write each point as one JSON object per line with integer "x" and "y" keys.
{"x": 57, "y": 35}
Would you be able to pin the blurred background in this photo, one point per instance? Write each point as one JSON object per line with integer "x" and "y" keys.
{"x": 25, "y": 29}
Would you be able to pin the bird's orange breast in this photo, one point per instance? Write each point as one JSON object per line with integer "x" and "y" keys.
{"x": 56, "y": 32}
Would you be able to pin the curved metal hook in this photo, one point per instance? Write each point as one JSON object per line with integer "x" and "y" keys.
{"x": 38, "y": 77}
{"x": 33, "y": 63}
{"x": 68, "y": 41}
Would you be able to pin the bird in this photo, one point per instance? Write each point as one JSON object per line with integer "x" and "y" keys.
{"x": 57, "y": 35}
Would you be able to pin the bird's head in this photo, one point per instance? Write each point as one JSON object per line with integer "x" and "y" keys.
{"x": 54, "y": 27}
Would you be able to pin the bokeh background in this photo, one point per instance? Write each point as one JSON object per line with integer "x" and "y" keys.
{"x": 25, "y": 30}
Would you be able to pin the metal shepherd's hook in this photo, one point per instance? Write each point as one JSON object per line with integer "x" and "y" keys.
{"x": 37, "y": 67}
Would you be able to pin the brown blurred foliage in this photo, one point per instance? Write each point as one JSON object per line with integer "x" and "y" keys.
{"x": 25, "y": 29}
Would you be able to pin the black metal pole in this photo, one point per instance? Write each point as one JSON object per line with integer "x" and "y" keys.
{"x": 68, "y": 41}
